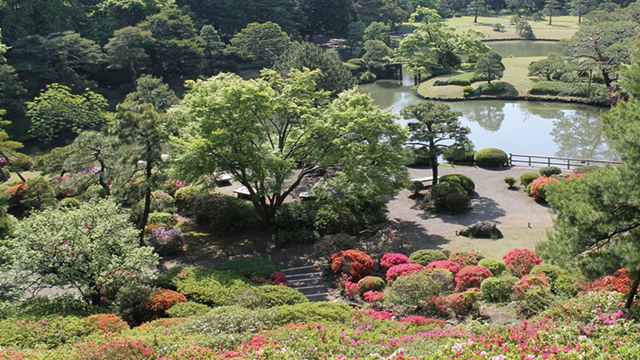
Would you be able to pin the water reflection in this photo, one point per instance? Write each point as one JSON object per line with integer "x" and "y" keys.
{"x": 489, "y": 116}
{"x": 579, "y": 135}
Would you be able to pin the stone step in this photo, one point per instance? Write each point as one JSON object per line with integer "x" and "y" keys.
{"x": 306, "y": 267}
{"x": 305, "y": 282}
{"x": 319, "y": 297}
{"x": 312, "y": 274}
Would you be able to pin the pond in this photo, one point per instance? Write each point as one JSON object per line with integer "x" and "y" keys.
{"x": 518, "y": 127}
{"x": 523, "y": 48}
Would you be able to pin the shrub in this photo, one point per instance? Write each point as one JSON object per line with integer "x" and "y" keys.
{"x": 186, "y": 309}
{"x": 406, "y": 295}
{"x": 116, "y": 349}
{"x": 165, "y": 242}
{"x": 466, "y": 182}
{"x": 64, "y": 187}
{"x": 471, "y": 277}
{"x": 435, "y": 305}
{"x": 268, "y": 296}
{"x": 498, "y": 289}
{"x": 163, "y": 219}
{"x": 427, "y": 256}
{"x": 539, "y": 187}
{"x": 16, "y": 194}
{"x": 496, "y": 266}
{"x": 465, "y": 303}
{"x": 402, "y": 270}
{"x": 367, "y": 77}
{"x": 109, "y": 323}
{"x": 448, "y": 196}
{"x": 20, "y": 162}
{"x": 354, "y": 263}
{"x": 46, "y": 333}
{"x": 494, "y": 89}
{"x": 527, "y": 178}
{"x": 209, "y": 286}
{"x": 565, "y": 285}
{"x": 443, "y": 277}
{"x": 619, "y": 282}
{"x": 374, "y": 298}
{"x": 312, "y": 312}
{"x": 510, "y": 180}
{"x": 186, "y": 197}
{"x": 451, "y": 266}
{"x": 371, "y": 283}
{"x": 458, "y": 155}
{"x": 224, "y": 213}
{"x": 392, "y": 259}
{"x": 463, "y": 258}
{"x": 464, "y": 79}
{"x": 530, "y": 281}
{"x": 38, "y": 194}
{"x": 294, "y": 223}
{"x": 549, "y": 171}
{"x": 535, "y": 300}
{"x": 156, "y": 305}
{"x": 69, "y": 203}
{"x": 519, "y": 262}
{"x": 498, "y": 27}
{"x": 129, "y": 300}
{"x": 468, "y": 91}
{"x": 415, "y": 187}
{"x": 93, "y": 192}
{"x": 254, "y": 268}
{"x": 585, "y": 169}
{"x": 331, "y": 244}
{"x": 491, "y": 157}
{"x": 551, "y": 272}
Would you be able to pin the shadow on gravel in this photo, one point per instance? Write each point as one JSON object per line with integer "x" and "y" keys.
{"x": 484, "y": 209}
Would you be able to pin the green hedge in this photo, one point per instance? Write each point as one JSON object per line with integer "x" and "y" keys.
{"x": 427, "y": 256}
{"x": 463, "y": 180}
{"x": 491, "y": 157}
{"x": 566, "y": 89}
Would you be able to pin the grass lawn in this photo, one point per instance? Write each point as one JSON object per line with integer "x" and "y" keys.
{"x": 563, "y": 27}
{"x": 515, "y": 77}
{"x": 26, "y": 174}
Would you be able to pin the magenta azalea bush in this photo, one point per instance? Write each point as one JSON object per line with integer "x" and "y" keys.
{"x": 391, "y": 259}
{"x": 471, "y": 277}
{"x": 463, "y": 258}
{"x": 402, "y": 270}
{"x": 454, "y": 267}
{"x": 519, "y": 262}
{"x": 166, "y": 242}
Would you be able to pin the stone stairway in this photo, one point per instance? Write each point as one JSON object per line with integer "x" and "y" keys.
{"x": 309, "y": 281}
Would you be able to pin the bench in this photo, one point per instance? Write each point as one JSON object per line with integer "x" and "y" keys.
{"x": 305, "y": 195}
{"x": 223, "y": 177}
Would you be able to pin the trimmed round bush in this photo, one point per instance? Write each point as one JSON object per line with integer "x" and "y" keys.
{"x": 565, "y": 285}
{"x": 539, "y": 187}
{"x": 519, "y": 262}
{"x": 466, "y": 182}
{"x": 551, "y": 272}
{"x": 353, "y": 263}
{"x": 427, "y": 256}
{"x": 496, "y": 266}
{"x": 585, "y": 169}
{"x": 527, "y": 178}
{"x": 165, "y": 242}
{"x": 458, "y": 155}
{"x": 371, "y": 283}
{"x": 392, "y": 259}
{"x": 442, "y": 277}
{"x": 465, "y": 303}
{"x": 549, "y": 171}
{"x": 402, "y": 270}
{"x": 471, "y": 277}
{"x": 491, "y": 157}
{"x": 406, "y": 295}
{"x": 497, "y": 289}
{"x": 156, "y": 305}
{"x": 443, "y": 193}
{"x": 186, "y": 309}
{"x": 528, "y": 282}
{"x": 278, "y": 295}
{"x": 463, "y": 258}
{"x": 450, "y": 266}
{"x": 186, "y": 198}
{"x": 109, "y": 323}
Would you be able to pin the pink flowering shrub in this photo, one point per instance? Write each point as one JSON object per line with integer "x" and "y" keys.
{"x": 277, "y": 278}
{"x": 463, "y": 258}
{"x": 353, "y": 263}
{"x": 471, "y": 277}
{"x": 519, "y": 262}
{"x": 539, "y": 187}
{"x": 374, "y": 298}
{"x": 391, "y": 259}
{"x": 351, "y": 290}
{"x": 435, "y": 305}
{"x": 454, "y": 267}
{"x": 402, "y": 270}
{"x": 529, "y": 281}
{"x": 464, "y": 303}
{"x": 116, "y": 349}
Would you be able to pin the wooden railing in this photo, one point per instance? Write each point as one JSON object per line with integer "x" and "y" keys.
{"x": 535, "y": 160}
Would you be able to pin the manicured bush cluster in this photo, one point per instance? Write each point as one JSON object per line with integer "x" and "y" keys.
{"x": 353, "y": 263}
{"x": 391, "y": 259}
{"x": 371, "y": 283}
{"x": 402, "y": 270}
{"x": 491, "y": 157}
{"x": 527, "y": 178}
{"x": 519, "y": 262}
{"x": 449, "y": 196}
{"x": 551, "y": 272}
{"x": 539, "y": 187}
{"x": 156, "y": 305}
{"x": 463, "y": 180}
{"x": 528, "y": 282}
{"x": 463, "y": 258}
{"x": 443, "y": 277}
{"x": 464, "y": 303}
{"x": 549, "y": 171}
{"x": 498, "y": 289}
{"x": 224, "y": 213}
{"x": 165, "y": 242}
{"x": 425, "y": 257}
{"x": 448, "y": 265}
{"x": 406, "y": 294}
{"x": 496, "y": 266}
{"x": 109, "y": 323}
{"x": 471, "y": 277}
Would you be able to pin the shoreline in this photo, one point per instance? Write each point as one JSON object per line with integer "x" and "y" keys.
{"x": 546, "y": 98}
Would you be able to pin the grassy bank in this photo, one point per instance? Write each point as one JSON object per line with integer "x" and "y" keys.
{"x": 563, "y": 27}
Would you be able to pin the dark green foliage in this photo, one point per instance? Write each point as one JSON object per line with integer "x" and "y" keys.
{"x": 567, "y": 89}
{"x": 186, "y": 309}
{"x": 565, "y": 285}
{"x": 427, "y": 256}
{"x": 466, "y": 182}
{"x": 585, "y": 169}
{"x": 468, "y": 91}
{"x": 331, "y": 244}
{"x": 224, "y": 213}
{"x": 38, "y": 195}
{"x": 350, "y": 215}
{"x": 490, "y": 66}
{"x": 250, "y": 267}
{"x": 551, "y": 272}
{"x": 415, "y": 187}
{"x": 496, "y": 266}
{"x": 527, "y": 178}
{"x": 20, "y": 162}
{"x": 497, "y": 289}
{"x": 294, "y": 223}
{"x": 549, "y": 171}
{"x": 407, "y": 294}
{"x": 67, "y": 203}
{"x": 367, "y": 77}
{"x": 494, "y": 89}
{"x": 491, "y": 157}
{"x": 510, "y": 180}
{"x": 63, "y": 305}
{"x": 449, "y": 196}
{"x": 128, "y": 304}
{"x": 458, "y": 155}
{"x": 209, "y": 286}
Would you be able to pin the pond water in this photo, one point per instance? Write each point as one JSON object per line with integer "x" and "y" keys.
{"x": 518, "y": 127}
{"x": 523, "y": 48}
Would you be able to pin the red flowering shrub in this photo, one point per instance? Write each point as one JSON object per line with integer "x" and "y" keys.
{"x": 16, "y": 193}
{"x": 351, "y": 290}
{"x": 529, "y": 281}
{"x": 465, "y": 303}
{"x": 463, "y": 258}
{"x": 116, "y": 350}
{"x": 402, "y": 270}
{"x": 375, "y": 298}
{"x": 353, "y": 263}
{"x": 277, "y": 278}
{"x": 575, "y": 176}
{"x": 471, "y": 277}
{"x": 454, "y": 267}
{"x": 382, "y": 315}
{"x": 435, "y": 305}
{"x": 109, "y": 323}
{"x": 391, "y": 259}
{"x": 520, "y": 261}
{"x": 422, "y": 321}
{"x": 539, "y": 187}
{"x": 371, "y": 283}
{"x": 160, "y": 301}
{"x": 619, "y": 282}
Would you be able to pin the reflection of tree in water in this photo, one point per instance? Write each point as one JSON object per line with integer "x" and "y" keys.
{"x": 542, "y": 109}
{"x": 579, "y": 135}
{"x": 489, "y": 117}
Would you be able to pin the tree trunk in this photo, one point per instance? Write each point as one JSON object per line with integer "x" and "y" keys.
{"x": 133, "y": 74}
{"x": 605, "y": 76}
{"x": 3, "y": 176}
{"x": 633, "y": 291}
{"x": 434, "y": 169}
{"x": 6, "y": 158}
{"x": 147, "y": 205}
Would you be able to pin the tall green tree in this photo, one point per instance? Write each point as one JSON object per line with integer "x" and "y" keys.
{"x": 377, "y": 31}
{"x": 273, "y": 132}
{"x": 22, "y": 18}
{"x": 94, "y": 149}
{"x": 490, "y": 66}
{"x": 126, "y": 50}
{"x": 547, "y": 67}
{"x": 581, "y": 7}
{"x": 477, "y": 7}
{"x": 551, "y": 7}
{"x": 91, "y": 249}
{"x": 355, "y": 36}
{"x": 326, "y": 17}
{"x": 260, "y": 43}
{"x": 213, "y": 47}
{"x": 437, "y": 128}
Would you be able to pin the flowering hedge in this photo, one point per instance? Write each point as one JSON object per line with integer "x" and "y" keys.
{"x": 464, "y": 303}
{"x": 116, "y": 349}
{"x": 519, "y": 262}
{"x": 391, "y": 259}
{"x": 165, "y": 242}
{"x": 402, "y": 270}
{"x": 530, "y": 281}
{"x": 354, "y": 263}
{"x": 471, "y": 277}
{"x": 619, "y": 282}
{"x": 454, "y": 267}
{"x": 109, "y": 323}
{"x": 464, "y": 258}
{"x": 539, "y": 187}
{"x": 160, "y": 301}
